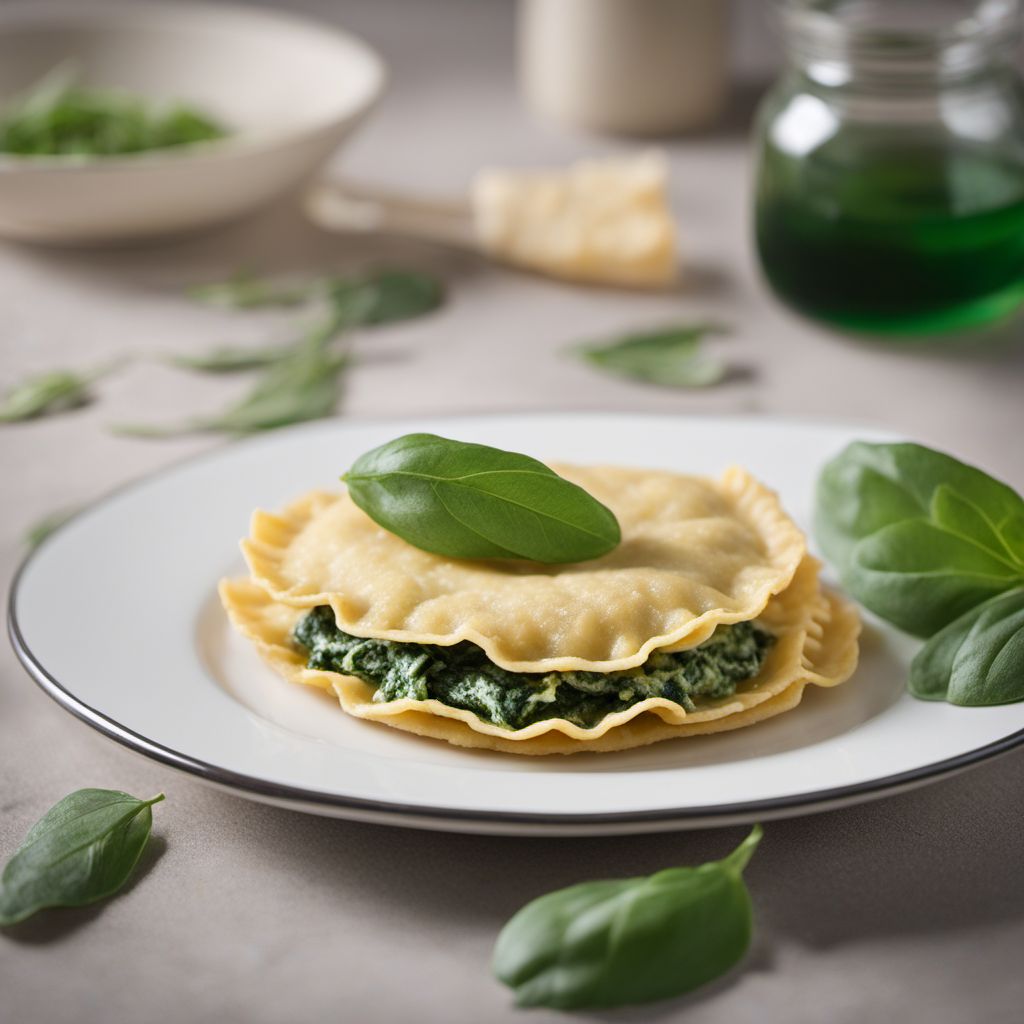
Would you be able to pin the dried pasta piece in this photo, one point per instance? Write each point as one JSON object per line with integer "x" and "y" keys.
{"x": 695, "y": 553}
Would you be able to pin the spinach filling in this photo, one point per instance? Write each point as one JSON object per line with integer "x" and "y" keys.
{"x": 462, "y": 676}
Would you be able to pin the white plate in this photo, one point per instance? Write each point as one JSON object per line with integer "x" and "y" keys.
{"x": 116, "y": 617}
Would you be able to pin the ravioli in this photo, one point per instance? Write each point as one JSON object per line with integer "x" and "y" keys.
{"x": 695, "y": 553}
{"x": 816, "y": 643}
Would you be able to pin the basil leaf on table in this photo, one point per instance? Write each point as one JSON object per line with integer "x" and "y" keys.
{"x": 385, "y": 296}
{"x": 917, "y": 536}
{"x": 82, "y": 850}
{"x": 303, "y": 386}
{"x": 471, "y": 501}
{"x": 231, "y": 358}
{"x": 978, "y": 659}
{"x": 636, "y": 940}
{"x": 42, "y": 528}
{"x": 670, "y": 356}
{"x": 373, "y": 297}
{"x": 47, "y": 393}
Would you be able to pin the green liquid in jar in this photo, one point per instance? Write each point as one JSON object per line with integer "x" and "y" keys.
{"x": 893, "y": 237}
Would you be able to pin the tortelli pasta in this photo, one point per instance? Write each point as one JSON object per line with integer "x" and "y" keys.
{"x": 696, "y": 554}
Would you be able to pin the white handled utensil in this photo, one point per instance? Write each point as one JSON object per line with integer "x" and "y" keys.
{"x": 602, "y": 221}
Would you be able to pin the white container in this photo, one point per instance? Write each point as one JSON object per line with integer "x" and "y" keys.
{"x": 290, "y": 90}
{"x": 630, "y": 67}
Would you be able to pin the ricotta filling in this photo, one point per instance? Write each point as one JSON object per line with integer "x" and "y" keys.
{"x": 462, "y": 676}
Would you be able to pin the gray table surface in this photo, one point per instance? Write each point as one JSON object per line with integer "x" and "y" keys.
{"x": 910, "y": 909}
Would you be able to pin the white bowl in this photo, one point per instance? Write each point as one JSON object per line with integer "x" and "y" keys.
{"x": 290, "y": 90}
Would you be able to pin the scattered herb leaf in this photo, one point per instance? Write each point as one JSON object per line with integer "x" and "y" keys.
{"x": 48, "y": 393}
{"x": 385, "y": 296}
{"x": 636, "y": 940}
{"x": 40, "y": 530}
{"x": 302, "y": 379}
{"x": 302, "y": 386}
{"x": 471, "y": 501}
{"x": 82, "y": 850}
{"x": 670, "y": 356}
{"x": 230, "y": 358}
{"x": 305, "y": 386}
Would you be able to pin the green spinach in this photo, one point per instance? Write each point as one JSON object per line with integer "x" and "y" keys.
{"x": 82, "y": 850}
{"x": 669, "y": 356}
{"x": 462, "y": 676}
{"x": 471, "y": 501}
{"x": 636, "y": 940}
{"x": 937, "y": 548}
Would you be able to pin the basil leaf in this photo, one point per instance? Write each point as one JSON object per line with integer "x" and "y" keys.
{"x": 932, "y": 667}
{"x": 671, "y": 357}
{"x": 921, "y": 577}
{"x": 614, "y": 943}
{"x": 302, "y": 387}
{"x": 42, "y": 528}
{"x": 82, "y": 850}
{"x": 978, "y": 659}
{"x": 230, "y": 358}
{"x": 471, "y": 501}
{"x": 917, "y": 536}
{"x": 47, "y": 393}
{"x": 385, "y": 296}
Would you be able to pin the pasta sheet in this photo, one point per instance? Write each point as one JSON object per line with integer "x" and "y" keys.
{"x": 695, "y": 553}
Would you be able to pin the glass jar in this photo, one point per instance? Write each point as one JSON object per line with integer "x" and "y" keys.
{"x": 890, "y": 187}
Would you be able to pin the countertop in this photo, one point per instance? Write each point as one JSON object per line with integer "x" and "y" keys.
{"x": 910, "y": 908}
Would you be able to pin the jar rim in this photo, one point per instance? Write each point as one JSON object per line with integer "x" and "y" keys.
{"x": 825, "y": 33}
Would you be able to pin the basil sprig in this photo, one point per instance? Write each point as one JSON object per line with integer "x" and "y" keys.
{"x": 635, "y": 940}
{"x": 82, "y": 850}
{"x": 669, "y": 356}
{"x": 471, "y": 501}
{"x": 301, "y": 380}
{"x": 937, "y": 548}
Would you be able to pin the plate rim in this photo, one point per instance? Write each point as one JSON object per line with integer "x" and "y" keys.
{"x": 386, "y": 812}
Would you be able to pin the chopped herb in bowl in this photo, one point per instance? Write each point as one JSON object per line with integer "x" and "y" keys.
{"x": 58, "y": 117}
